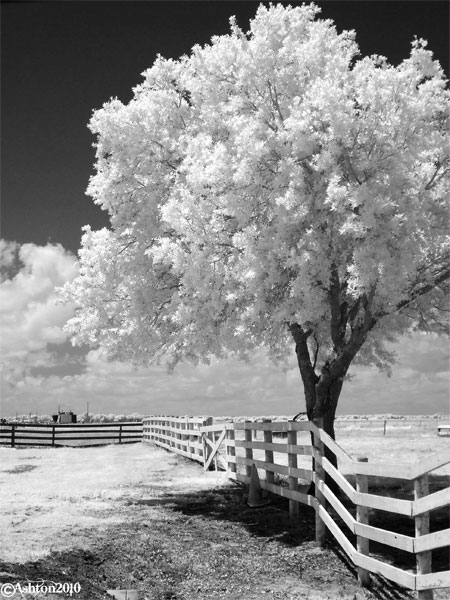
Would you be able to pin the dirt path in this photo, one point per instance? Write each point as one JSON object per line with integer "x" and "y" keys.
{"x": 136, "y": 517}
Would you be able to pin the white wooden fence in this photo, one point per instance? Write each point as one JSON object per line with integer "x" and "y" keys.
{"x": 178, "y": 434}
{"x": 287, "y": 465}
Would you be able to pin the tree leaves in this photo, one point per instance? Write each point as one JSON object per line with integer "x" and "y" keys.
{"x": 269, "y": 181}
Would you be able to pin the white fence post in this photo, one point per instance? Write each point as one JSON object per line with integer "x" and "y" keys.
{"x": 362, "y": 516}
{"x": 248, "y": 451}
{"x": 268, "y": 439}
{"x": 206, "y": 447}
{"x": 422, "y": 527}
{"x": 189, "y": 436}
{"x": 231, "y": 450}
{"x": 294, "y": 507}
{"x": 321, "y": 529}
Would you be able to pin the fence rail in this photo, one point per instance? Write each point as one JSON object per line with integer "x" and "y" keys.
{"x": 56, "y": 434}
{"x": 289, "y": 465}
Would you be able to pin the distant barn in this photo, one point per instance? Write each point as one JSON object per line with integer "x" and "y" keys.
{"x": 65, "y": 417}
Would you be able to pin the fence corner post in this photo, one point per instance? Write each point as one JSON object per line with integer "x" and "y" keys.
{"x": 422, "y": 527}
{"x": 319, "y": 478}
{"x": 362, "y": 516}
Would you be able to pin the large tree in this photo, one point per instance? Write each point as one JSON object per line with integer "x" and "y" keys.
{"x": 272, "y": 189}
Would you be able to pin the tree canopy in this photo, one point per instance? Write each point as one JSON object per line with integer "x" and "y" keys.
{"x": 272, "y": 185}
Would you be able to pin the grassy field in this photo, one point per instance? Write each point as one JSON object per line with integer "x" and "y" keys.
{"x": 140, "y": 518}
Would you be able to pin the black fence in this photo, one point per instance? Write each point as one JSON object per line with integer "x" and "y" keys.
{"x": 80, "y": 434}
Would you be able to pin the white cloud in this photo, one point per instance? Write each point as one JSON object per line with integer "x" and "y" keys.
{"x": 30, "y": 317}
{"x": 229, "y": 387}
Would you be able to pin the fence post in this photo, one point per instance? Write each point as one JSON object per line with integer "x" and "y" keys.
{"x": 294, "y": 507}
{"x": 120, "y": 433}
{"x": 362, "y": 516}
{"x": 167, "y": 425}
{"x": 268, "y": 454}
{"x": 213, "y": 438}
{"x": 422, "y": 526}
{"x": 188, "y": 436}
{"x": 181, "y": 438}
{"x": 321, "y": 529}
{"x": 248, "y": 451}
{"x": 231, "y": 450}
{"x": 206, "y": 447}
{"x": 194, "y": 439}
{"x": 13, "y": 435}
{"x": 173, "y": 435}
{"x": 53, "y": 435}
{"x": 166, "y": 432}
{"x": 176, "y": 435}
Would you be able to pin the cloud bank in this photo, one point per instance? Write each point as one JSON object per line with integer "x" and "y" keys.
{"x": 30, "y": 318}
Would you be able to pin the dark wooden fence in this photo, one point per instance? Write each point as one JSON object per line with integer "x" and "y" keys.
{"x": 80, "y": 434}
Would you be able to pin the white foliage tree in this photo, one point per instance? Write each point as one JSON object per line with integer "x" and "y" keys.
{"x": 272, "y": 189}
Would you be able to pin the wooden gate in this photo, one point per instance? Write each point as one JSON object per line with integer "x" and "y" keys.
{"x": 214, "y": 451}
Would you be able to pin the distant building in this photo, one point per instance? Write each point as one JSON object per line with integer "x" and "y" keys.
{"x": 64, "y": 417}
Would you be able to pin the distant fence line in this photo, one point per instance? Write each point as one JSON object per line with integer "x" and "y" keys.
{"x": 394, "y": 426}
{"x": 86, "y": 434}
{"x": 240, "y": 447}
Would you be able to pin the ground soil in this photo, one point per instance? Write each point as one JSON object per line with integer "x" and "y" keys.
{"x": 205, "y": 545}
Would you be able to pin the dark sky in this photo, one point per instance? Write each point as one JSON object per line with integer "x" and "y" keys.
{"x": 61, "y": 60}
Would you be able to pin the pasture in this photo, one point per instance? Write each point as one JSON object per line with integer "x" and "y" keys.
{"x": 138, "y": 517}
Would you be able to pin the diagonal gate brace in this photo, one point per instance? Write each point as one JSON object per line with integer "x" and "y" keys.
{"x": 214, "y": 449}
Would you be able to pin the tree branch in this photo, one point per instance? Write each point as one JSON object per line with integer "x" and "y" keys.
{"x": 422, "y": 291}
{"x": 301, "y": 348}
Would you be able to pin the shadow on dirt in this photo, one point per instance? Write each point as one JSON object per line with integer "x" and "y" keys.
{"x": 230, "y": 504}
{"x": 271, "y": 522}
{"x": 381, "y": 588}
{"x": 20, "y": 469}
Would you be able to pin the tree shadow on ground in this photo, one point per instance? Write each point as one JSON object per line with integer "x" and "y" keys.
{"x": 271, "y": 522}
{"x": 381, "y": 588}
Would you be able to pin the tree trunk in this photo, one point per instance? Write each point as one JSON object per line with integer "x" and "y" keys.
{"x": 327, "y": 396}
{"x": 321, "y": 396}
{"x": 321, "y": 392}
{"x": 349, "y": 327}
